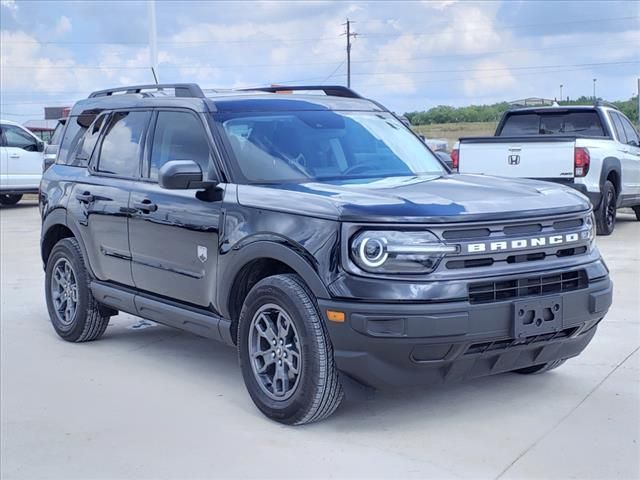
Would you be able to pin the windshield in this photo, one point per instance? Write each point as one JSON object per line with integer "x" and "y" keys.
{"x": 305, "y": 146}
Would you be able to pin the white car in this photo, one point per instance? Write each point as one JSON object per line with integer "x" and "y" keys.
{"x": 594, "y": 149}
{"x": 21, "y": 155}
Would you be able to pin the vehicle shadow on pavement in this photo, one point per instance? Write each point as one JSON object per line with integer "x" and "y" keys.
{"x": 215, "y": 367}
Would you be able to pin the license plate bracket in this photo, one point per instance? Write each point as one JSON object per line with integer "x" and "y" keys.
{"x": 536, "y": 317}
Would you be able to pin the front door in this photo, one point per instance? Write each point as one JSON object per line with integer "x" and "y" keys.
{"x": 173, "y": 234}
{"x": 23, "y": 160}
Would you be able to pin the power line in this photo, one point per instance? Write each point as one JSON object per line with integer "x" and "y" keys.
{"x": 571, "y": 68}
{"x": 522, "y": 67}
{"x": 317, "y": 39}
{"x": 289, "y": 65}
{"x": 332, "y": 73}
{"x": 544, "y": 24}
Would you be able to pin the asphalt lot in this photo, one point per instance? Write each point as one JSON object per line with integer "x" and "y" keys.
{"x": 153, "y": 402}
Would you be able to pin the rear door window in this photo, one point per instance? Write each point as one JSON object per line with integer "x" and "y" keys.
{"x": 629, "y": 131}
{"x": 617, "y": 124}
{"x": 85, "y": 146}
{"x": 122, "y": 143}
{"x": 70, "y": 138}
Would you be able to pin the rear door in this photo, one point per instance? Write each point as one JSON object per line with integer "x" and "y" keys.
{"x": 100, "y": 199}
{"x": 23, "y": 160}
{"x": 174, "y": 233}
{"x": 633, "y": 153}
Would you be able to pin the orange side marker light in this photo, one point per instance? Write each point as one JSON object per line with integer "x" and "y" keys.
{"x": 335, "y": 316}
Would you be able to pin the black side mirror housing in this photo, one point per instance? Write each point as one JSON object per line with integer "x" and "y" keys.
{"x": 40, "y": 146}
{"x": 182, "y": 175}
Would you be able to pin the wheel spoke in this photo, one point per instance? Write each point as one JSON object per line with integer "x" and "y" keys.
{"x": 264, "y": 326}
{"x": 267, "y": 360}
{"x": 292, "y": 361}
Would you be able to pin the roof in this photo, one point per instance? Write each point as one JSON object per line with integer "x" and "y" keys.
{"x": 9, "y": 122}
{"x": 37, "y": 125}
{"x": 555, "y": 108}
{"x": 260, "y": 99}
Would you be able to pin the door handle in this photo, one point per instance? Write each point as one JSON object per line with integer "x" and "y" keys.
{"x": 14, "y": 155}
{"x": 85, "y": 197}
{"x": 145, "y": 206}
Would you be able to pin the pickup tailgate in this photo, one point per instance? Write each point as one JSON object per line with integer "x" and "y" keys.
{"x": 524, "y": 157}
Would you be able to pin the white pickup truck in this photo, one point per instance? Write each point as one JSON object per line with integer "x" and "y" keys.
{"x": 21, "y": 155}
{"x": 594, "y": 149}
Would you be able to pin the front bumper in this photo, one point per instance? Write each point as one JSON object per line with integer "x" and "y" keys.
{"x": 400, "y": 344}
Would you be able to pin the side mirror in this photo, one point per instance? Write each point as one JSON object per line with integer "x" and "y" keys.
{"x": 422, "y": 137}
{"x": 182, "y": 175}
{"x": 633, "y": 143}
{"x": 40, "y": 146}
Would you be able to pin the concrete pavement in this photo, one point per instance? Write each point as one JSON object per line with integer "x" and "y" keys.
{"x": 153, "y": 402}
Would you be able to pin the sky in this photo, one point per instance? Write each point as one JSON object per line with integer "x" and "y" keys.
{"x": 408, "y": 55}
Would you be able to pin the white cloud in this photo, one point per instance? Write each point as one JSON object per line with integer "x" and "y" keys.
{"x": 63, "y": 25}
{"x": 489, "y": 76}
{"x": 439, "y": 4}
{"x": 11, "y": 5}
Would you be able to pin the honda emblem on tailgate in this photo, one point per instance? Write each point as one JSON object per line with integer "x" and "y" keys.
{"x": 514, "y": 159}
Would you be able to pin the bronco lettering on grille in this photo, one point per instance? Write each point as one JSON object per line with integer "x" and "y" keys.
{"x": 520, "y": 243}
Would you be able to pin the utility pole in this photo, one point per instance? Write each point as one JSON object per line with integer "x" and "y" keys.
{"x": 561, "y": 91}
{"x": 639, "y": 101}
{"x": 153, "y": 46}
{"x": 594, "y": 89}
{"x": 349, "y": 35}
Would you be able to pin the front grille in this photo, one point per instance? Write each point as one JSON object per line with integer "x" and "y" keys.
{"x": 510, "y": 342}
{"x": 486, "y": 292}
{"x": 501, "y": 234}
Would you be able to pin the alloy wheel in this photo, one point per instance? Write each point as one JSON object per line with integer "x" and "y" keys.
{"x": 64, "y": 291}
{"x": 274, "y": 352}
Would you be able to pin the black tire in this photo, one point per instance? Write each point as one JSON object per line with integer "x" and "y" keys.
{"x": 317, "y": 392}
{"x": 8, "y": 199}
{"x": 536, "y": 369}
{"x": 636, "y": 210}
{"x": 606, "y": 213}
{"x": 89, "y": 320}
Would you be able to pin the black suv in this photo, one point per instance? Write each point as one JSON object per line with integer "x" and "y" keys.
{"x": 317, "y": 233}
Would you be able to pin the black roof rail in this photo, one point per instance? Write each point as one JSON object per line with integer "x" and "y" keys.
{"x": 603, "y": 103}
{"x": 332, "y": 90}
{"x": 181, "y": 90}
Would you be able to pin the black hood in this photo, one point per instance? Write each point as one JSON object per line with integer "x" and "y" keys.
{"x": 448, "y": 198}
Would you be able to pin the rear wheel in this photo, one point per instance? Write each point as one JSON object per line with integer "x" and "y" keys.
{"x": 75, "y": 315}
{"x": 8, "y": 199}
{"x": 606, "y": 213}
{"x": 545, "y": 367}
{"x": 285, "y": 353}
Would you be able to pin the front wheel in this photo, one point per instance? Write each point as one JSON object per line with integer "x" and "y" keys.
{"x": 8, "y": 199}
{"x": 285, "y": 353}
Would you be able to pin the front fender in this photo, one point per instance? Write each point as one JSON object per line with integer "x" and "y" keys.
{"x": 233, "y": 261}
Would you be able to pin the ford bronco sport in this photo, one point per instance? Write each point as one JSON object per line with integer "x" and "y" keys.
{"x": 317, "y": 234}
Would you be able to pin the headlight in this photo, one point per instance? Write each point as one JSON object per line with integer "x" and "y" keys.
{"x": 590, "y": 233}
{"x": 388, "y": 251}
